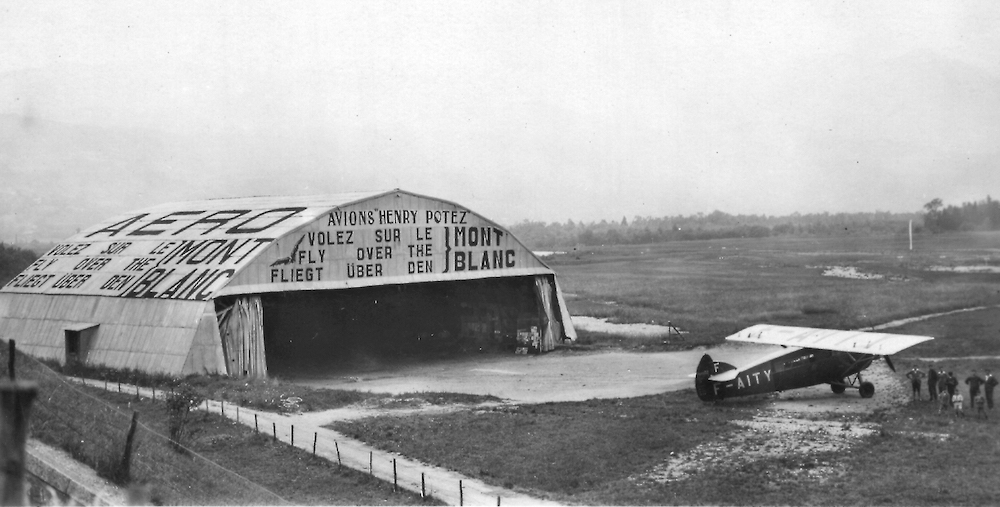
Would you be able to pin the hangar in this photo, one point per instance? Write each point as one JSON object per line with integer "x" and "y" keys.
{"x": 245, "y": 286}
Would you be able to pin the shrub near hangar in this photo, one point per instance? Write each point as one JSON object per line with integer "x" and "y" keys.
{"x": 238, "y": 286}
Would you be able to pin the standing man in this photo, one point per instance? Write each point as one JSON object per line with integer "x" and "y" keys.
{"x": 932, "y": 382}
{"x": 952, "y": 384}
{"x": 973, "y": 381}
{"x": 915, "y": 375}
{"x": 991, "y": 382}
{"x": 943, "y": 383}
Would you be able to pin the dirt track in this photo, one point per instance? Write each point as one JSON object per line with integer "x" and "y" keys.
{"x": 565, "y": 375}
{"x": 557, "y": 376}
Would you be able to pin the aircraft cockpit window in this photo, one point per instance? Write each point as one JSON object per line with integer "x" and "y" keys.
{"x": 799, "y": 361}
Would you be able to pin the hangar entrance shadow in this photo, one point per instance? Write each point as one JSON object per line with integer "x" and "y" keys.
{"x": 374, "y": 327}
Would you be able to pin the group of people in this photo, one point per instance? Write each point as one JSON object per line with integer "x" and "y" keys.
{"x": 943, "y": 386}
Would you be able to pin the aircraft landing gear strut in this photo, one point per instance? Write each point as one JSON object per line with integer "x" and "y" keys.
{"x": 865, "y": 389}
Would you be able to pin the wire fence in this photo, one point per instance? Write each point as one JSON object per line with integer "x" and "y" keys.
{"x": 96, "y": 433}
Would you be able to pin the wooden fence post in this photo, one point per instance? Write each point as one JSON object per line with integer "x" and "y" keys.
{"x": 461, "y": 494}
{"x": 371, "y": 469}
{"x": 274, "y": 429}
{"x": 255, "y": 428}
{"x": 293, "y": 435}
{"x": 315, "y": 436}
{"x": 395, "y": 481}
{"x": 15, "y": 408}
{"x": 335, "y": 444}
{"x": 11, "y": 351}
{"x": 423, "y": 487}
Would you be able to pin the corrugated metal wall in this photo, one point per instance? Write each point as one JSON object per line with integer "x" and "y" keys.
{"x": 146, "y": 334}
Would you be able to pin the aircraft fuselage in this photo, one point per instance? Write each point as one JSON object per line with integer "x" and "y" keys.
{"x": 795, "y": 369}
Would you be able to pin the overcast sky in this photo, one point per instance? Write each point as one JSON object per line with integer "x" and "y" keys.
{"x": 519, "y": 110}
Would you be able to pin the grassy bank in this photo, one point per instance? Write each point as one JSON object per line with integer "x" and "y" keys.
{"x": 292, "y": 474}
{"x": 221, "y": 463}
{"x": 271, "y": 394}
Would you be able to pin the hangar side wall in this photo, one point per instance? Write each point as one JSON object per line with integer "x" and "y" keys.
{"x": 151, "y": 335}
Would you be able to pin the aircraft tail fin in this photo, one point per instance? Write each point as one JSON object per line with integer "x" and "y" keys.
{"x": 704, "y": 387}
{"x": 703, "y": 382}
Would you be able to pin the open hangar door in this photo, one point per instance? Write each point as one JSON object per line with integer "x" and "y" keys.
{"x": 354, "y": 328}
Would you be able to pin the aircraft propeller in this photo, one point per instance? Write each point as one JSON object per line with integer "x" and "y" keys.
{"x": 889, "y": 362}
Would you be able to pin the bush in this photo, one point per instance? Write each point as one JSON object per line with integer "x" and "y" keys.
{"x": 179, "y": 404}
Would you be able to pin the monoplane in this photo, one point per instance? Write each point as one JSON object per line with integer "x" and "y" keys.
{"x": 808, "y": 357}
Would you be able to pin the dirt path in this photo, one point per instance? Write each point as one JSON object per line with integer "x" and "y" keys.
{"x": 560, "y": 375}
{"x": 563, "y": 375}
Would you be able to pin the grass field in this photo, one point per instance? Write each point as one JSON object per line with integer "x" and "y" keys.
{"x": 592, "y": 452}
{"x": 714, "y": 288}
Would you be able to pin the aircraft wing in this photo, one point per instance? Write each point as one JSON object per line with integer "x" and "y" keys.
{"x": 828, "y": 339}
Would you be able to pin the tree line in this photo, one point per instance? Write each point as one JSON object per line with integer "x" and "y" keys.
{"x": 13, "y": 260}
{"x": 979, "y": 215}
{"x": 982, "y": 215}
{"x": 970, "y": 216}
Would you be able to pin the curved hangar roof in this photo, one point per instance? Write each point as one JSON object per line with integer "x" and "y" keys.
{"x": 203, "y": 249}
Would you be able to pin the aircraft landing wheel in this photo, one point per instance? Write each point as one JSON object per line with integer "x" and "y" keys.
{"x": 867, "y": 389}
{"x": 837, "y": 388}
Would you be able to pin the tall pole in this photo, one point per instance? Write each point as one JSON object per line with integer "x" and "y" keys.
{"x": 15, "y": 407}
{"x": 911, "y": 235}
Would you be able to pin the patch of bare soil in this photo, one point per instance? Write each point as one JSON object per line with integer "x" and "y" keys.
{"x": 597, "y": 325}
{"x": 850, "y": 272}
{"x": 966, "y": 269}
{"x": 806, "y": 443}
{"x": 801, "y": 427}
